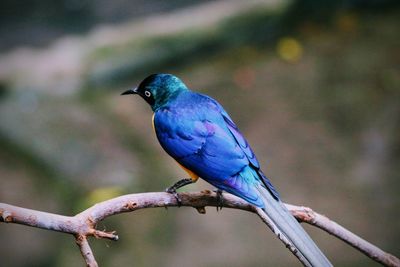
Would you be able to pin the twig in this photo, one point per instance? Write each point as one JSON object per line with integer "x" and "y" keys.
{"x": 83, "y": 224}
{"x": 86, "y": 251}
{"x": 309, "y": 216}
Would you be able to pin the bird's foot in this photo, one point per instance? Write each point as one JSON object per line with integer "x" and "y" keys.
{"x": 220, "y": 199}
{"x": 172, "y": 190}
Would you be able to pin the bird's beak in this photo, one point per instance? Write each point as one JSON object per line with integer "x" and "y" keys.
{"x": 130, "y": 91}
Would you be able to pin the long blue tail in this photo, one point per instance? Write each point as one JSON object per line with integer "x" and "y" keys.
{"x": 291, "y": 229}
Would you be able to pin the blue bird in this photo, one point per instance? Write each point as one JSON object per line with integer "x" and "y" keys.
{"x": 198, "y": 133}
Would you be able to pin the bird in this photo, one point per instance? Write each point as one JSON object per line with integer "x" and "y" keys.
{"x": 196, "y": 131}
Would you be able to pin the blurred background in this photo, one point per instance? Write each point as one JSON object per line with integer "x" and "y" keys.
{"x": 314, "y": 86}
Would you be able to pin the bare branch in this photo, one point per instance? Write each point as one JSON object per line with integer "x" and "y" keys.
{"x": 86, "y": 251}
{"x": 309, "y": 216}
{"x": 83, "y": 224}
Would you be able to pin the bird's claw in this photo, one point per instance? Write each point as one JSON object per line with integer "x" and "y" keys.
{"x": 179, "y": 184}
{"x": 172, "y": 191}
{"x": 220, "y": 199}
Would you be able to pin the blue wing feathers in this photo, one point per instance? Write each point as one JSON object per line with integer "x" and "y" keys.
{"x": 269, "y": 185}
{"x": 209, "y": 143}
{"x": 247, "y": 150}
{"x": 242, "y": 142}
{"x": 242, "y": 185}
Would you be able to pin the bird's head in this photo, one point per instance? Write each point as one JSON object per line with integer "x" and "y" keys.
{"x": 158, "y": 89}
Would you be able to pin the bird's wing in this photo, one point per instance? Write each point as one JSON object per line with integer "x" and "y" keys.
{"x": 242, "y": 142}
{"x": 200, "y": 141}
{"x": 204, "y": 139}
{"x": 178, "y": 134}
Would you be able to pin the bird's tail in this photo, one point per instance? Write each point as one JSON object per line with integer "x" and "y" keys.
{"x": 292, "y": 230}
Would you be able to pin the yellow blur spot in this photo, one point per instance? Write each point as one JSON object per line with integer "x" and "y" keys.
{"x": 289, "y": 49}
{"x": 103, "y": 193}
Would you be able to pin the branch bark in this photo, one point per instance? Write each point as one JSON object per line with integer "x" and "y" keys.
{"x": 83, "y": 225}
{"x": 86, "y": 251}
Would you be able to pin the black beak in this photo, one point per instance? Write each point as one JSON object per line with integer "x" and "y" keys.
{"x": 130, "y": 92}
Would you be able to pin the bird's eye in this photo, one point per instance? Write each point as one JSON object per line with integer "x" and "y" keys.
{"x": 147, "y": 93}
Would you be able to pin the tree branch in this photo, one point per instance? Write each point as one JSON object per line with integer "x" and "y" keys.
{"x": 86, "y": 251}
{"x": 83, "y": 224}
